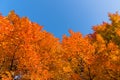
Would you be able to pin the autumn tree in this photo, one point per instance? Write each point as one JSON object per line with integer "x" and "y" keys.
{"x": 16, "y": 48}
{"x": 107, "y": 48}
{"x": 79, "y": 54}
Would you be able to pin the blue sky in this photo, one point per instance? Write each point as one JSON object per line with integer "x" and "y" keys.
{"x": 58, "y": 16}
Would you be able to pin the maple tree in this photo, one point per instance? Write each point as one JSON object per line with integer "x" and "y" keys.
{"x": 78, "y": 52}
{"x": 106, "y": 42}
{"x": 17, "y": 52}
{"x": 29, "y": 52}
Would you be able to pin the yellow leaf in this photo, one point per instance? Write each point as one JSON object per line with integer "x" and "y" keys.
{"x": 67, "y": 69}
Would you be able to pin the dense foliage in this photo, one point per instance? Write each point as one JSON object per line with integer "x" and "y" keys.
{"x": 30, "y": 53}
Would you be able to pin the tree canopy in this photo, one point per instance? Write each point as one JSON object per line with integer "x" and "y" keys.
{"x": 33, "y": 53}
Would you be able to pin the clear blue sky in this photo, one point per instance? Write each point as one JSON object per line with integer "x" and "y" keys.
{"x": 57, "y": 16}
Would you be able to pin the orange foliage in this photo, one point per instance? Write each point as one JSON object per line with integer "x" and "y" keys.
{"x": 35, "y": 54}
